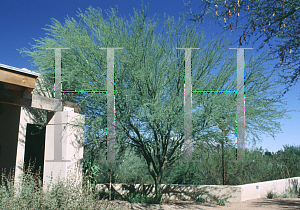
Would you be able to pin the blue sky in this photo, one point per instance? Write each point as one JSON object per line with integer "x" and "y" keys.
{"x": 21, "y": 21}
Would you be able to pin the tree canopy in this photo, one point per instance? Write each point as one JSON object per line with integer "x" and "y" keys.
{"x": 277, "y": 21}
{"x": 149, "y": 84}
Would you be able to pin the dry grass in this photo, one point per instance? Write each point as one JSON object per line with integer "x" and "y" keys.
{"x": 65, "y": 194}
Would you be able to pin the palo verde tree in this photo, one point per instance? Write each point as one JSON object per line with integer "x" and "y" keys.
{"x": 277, "y": 21}
{"x": 149, "y": 83}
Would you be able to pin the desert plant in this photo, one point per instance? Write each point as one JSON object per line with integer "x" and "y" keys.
{"x": 134, "y": 198}
{"x": 181, "y": 198}
{"x": 139, "y": 198}
{"x": 200, "y": 199}
{"x": 270, "y": 194}
{"x": 285, "y": 194}
{"x": 103, "y": 195}
{"x": 65, "y": 194}
{"x": 294, "y": 192}
{"x": 221, "y": 202}
{"x": 289, "y": 193}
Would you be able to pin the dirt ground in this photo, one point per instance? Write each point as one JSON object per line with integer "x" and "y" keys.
{"x": 262, "y": 203}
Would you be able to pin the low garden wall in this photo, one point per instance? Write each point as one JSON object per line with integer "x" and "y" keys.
{"x": 260, "y": 189}
{"x": 231, "y": 193}
{"x": 179, "y": 192}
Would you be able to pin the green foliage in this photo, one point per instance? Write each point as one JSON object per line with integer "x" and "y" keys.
{"x": 103, "y": 195}
{"x": 289, "y": 193}
{"x": 65, "y": 194}
{"x": 265, "y": 19}
{"x": 200, "y": 199}
{"x": 139, "y": 198}
{"x": 264, "y": 168}
{"x": 221, "y": 202}
{"x": 290, "y": 157}
{"x": 270, "y": 194}
{"x": 184, "y": 173}
{"x": 181, "y": 197}
{"x": 149, "y": 87}
{"x": 133, "y": 170}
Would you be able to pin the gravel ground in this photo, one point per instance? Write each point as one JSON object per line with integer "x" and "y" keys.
{"x": 262, "y": 203}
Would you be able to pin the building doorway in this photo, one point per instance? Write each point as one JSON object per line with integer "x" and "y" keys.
{"x": 35, "y": 149}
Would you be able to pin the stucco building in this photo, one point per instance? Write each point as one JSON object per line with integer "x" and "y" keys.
{"x": 20, "y": 138}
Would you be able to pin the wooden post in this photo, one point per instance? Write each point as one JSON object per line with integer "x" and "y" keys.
{"x": 222, "y": 144}
{"x": 109, "y": 170}
{"x": 223, "y": 163}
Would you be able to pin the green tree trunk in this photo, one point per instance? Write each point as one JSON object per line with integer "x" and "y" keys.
{"x": 158, "y": 189}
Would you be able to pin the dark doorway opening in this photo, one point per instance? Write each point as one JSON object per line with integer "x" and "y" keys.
{"x": 35, "y": 149}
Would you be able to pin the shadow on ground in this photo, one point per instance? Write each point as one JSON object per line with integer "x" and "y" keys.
{"x": 283, "y": 203}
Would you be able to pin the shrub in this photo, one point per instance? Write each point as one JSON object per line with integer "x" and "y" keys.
{"x": 65, "y": 194}
{"x": 289, "y": 193}
{"x": 270, "y": 194}
{"x": 285, "y": 194}
{"x": 221, "y": 202}
{"x": 139, "y": 198}
{"x": 134, "y": 198}
{"x": 182, "y": 198}
{"x": 102, "y": 195}
{"x": 200, "y": 199}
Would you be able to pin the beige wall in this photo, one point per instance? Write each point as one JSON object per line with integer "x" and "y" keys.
{"x": 230, "y": 193}
{"x": 189, "y": 192}
{"x": 260, "y": 189}
{"x": 25, "y": 118}
{"x": 72, "y": 148}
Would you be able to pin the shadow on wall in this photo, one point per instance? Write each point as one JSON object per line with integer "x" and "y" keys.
{"x": 177, "y": 192}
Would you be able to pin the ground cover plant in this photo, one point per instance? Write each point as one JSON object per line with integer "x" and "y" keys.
{"x": 289, "y": 193}
{"x": 140, "y": 198}
{"x": 200, "y": 199}
{"x": 221, "y": 202}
